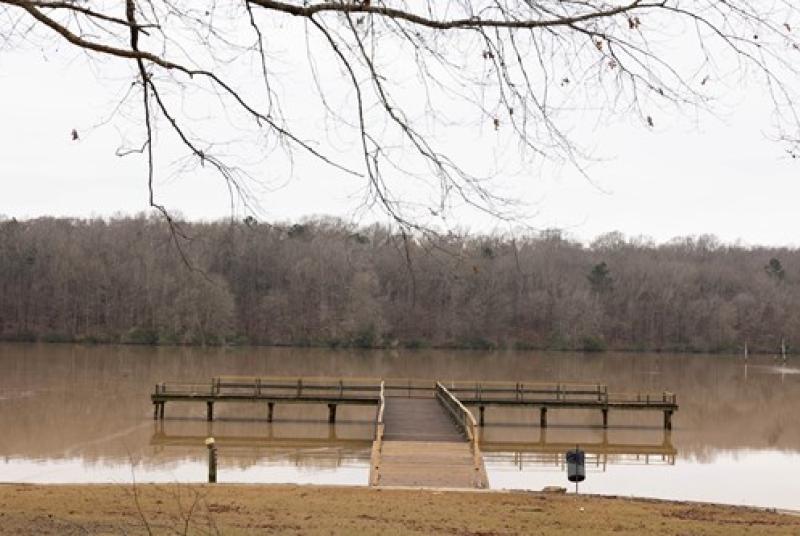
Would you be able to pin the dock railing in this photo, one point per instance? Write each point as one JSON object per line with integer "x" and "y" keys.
{"x": 280, "y": 387}
{"x": 377, "y": 444}
{"x": 181, "y": 388}
{"x": 296, "y": 386}
{"x": 410, "y": 388}
{"x": 595, "y": 393}
{"x": 645, "y": 399}
{"x": 521, "y": 391}
{"x": 464, "y": 418}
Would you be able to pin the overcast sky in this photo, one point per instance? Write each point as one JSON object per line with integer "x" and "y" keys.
{"x": 722, "y": 176}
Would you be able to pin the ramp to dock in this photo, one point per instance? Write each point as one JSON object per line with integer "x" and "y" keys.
{"x": 442, "y": 464}
{"x": 418, "y": 419}
{"x": 423, "y": 446}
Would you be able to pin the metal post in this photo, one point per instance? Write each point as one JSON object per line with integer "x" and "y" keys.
{"x": 543, "y": 417}
{"x": 605, "y": 417}
{"x": 270, "y": 409}
{"x": 212, "y": 460}
{"x": 481, "y": 411}
{"x": 667, "y": 420}
{"x": 209, "y": 411}
{"x": 155, "y": 411}
{"x": 161, "y": 410}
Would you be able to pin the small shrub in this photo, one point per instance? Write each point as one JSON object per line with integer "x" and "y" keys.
{"x": 416, "y": 344}
{"x": 594, "y": 344}
{"x": 141, "y": 336}
{"x": 478, "y": 343}
{"x": 20, "y": 336}
{"x": 365, "y": 338}
{"x": 56, "y": 337}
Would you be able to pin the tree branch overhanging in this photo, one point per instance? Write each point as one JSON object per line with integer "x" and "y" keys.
{"x": 519, "y": 68}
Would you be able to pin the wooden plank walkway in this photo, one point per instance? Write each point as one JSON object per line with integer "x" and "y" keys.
{"x": 422, "y": 443}
{"x": 418, "y": 419}
{"x": 441, "y": 464}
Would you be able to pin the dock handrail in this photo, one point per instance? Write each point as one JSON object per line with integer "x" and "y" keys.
{"x": 477, "y": 392}
{"x": 186, "y": 388}
{"x": 259, "y": 387}
{"x": 410, "y": 388}
{"x": 460, "y": 413}
{"x": 382, "y": 405}
{"x": 468, "y": 424}
{"x": 377, "y": 444}
{"x": 522, "y": 390}
{"x": 664, "y": 397}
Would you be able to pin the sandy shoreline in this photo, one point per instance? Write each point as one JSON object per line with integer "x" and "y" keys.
{"x": 291, "y": 509}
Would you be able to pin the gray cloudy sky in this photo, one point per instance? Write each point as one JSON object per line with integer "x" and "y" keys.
{"x": 721, "y": 176}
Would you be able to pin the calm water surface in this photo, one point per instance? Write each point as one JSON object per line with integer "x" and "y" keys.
{"x": 72, "y": 413}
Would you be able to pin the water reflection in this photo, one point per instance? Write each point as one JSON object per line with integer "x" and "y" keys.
{"x": 247, "y": 443}
{"x": 82, "y": 413}
{"x": 605, "y": 446}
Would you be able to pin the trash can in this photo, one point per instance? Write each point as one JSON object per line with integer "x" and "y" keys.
{"x": 576, "y": 469}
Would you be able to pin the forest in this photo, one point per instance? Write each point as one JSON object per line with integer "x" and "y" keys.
{"x": 326, "y": 282}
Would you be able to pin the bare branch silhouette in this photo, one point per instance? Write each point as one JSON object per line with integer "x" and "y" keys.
{"x": 399, "y": 79}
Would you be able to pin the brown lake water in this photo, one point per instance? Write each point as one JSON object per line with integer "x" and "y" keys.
{"x": 73, "y": 414}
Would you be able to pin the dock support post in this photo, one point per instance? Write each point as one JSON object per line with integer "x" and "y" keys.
{"x": 667, "y": 420}
{"x": 482, "y": 408}
{"x": 209, "y": 411}
{"x": 543, "y": 417}
{"x": 161, "y": 410}
{"x": 605, "y": 417}
{"x": 155, "y": 411}
{"x": 331, "y": 413}
{"x": 270, "y": 410}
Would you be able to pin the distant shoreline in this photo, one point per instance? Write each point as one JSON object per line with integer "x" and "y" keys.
{"x": 327, "y": 283}
{"x": 400, "y": 346}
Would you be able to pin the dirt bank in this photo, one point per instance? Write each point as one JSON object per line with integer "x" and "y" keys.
{"x": 312, "y": 510}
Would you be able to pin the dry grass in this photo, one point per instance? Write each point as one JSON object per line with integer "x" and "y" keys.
{"x": 312, "y": 510}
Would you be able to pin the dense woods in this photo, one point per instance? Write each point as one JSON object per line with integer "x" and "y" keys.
{"x": 325, "y": 282}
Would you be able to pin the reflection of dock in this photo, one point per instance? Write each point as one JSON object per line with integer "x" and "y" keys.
{"x": 285, "y": 435}
{"x": 598, "y": 453}
{"x": 543, "y": 445}
{"x": 555, "y": 460}
{"x": 164, "y": 440}
{"x": 322, "y": 450}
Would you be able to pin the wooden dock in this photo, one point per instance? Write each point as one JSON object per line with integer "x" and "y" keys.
{"x": 425, "y": 436}
{"x": 270, "y": 391}
{"x": 561, "y": 396}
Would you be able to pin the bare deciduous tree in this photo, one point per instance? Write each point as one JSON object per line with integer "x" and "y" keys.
{"x": 393, "y": 80}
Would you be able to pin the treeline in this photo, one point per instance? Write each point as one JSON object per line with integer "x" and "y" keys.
{"x": 325, "y": 282}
